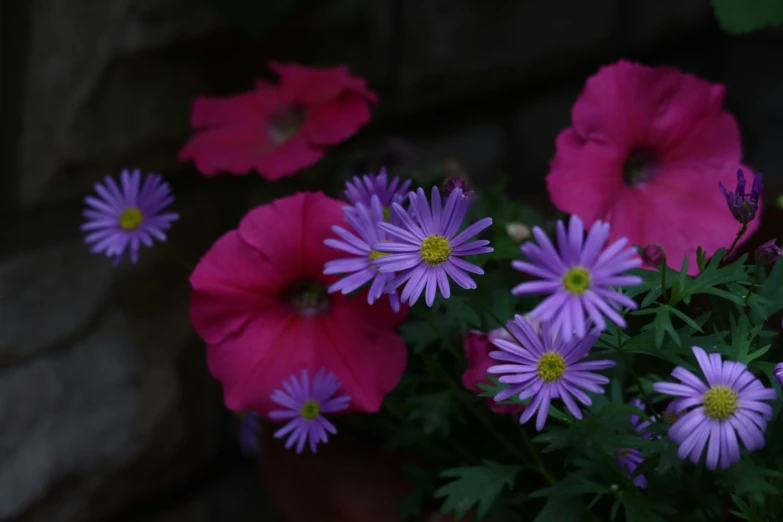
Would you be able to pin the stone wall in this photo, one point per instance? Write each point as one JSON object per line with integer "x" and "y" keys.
{"x": 107, "y": 409}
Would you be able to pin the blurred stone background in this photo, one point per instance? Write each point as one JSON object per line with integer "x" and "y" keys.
{"x": 106, "y": 407}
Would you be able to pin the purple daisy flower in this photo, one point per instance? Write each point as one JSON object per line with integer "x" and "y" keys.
{"x": 546, "y": 366}
{"x": 361, "y": 190}
{"x": 579, "y": 276}
{"x": 743, "y": 207}
{"x": 363, "y": 221}
{"x": 304, "y": 403}
{"x": 128, "y": 216}
{"x": 778, "y": 373}
{"x": 628, "y": 459}
{"x": 729, "y": 405}
{"x": 428, "y": 250}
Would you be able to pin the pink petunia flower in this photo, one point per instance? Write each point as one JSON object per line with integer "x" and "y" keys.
{"x": 646, "y": 151}
{"x": 260, "y": 302}
{"x": 278, "y": 129}
{"x": 477, "y": 347}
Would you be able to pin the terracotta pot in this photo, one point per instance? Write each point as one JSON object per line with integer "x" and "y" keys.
{"x": 349, "y": 480}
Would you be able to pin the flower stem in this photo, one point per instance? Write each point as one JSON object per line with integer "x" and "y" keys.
{"x": 740, "y": 233}
{"x": 498, "y": 320}
{"x": 663, "y": 280}
{"x": 540, "y": 463}
{"x": 540, "y": 466}
{"x": 645, "y": 397}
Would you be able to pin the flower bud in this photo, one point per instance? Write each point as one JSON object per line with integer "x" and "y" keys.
{"x": 517, "y": 231}
{"x": 778, "y": 373}
{"x": 768, "y": 252}
{"x": 653, "y": 255}
{"x": 457, "y": 182}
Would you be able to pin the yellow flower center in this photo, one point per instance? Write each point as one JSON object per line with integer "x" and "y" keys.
{"x": 131, "y": 218}
{"x": 310, "y": 410}
{"x": 551, "y": 366}
{"x": 577, "y": 280}
{"x": 435, "y": 250}
{"x": 374, "y": 254}
{"x": 720, "y": 402}
{"x": 622, "y": 453}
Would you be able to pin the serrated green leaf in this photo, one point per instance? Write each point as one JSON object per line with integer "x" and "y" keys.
{"x": 475, "y": 485}
{"x": 714, "y": 275}
{"x": 742, "y": 337}
{"x": 746, "y": 16}
{"x": 690, "y": 322}
{"x": 435, "y": 412}
{"x": 458, "y": 309}
{"x": 571, "y": 486}
{"x": 419, "y": 335}
{"x": 661, "y": 325}
{"x": 772, "y": 289}
{"x": 422, "y": 484}
{"x": 557, "y": 510}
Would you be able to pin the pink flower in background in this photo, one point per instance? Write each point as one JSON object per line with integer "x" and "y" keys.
{"x": 477, "y": 348}
{"x": 646, "y": 151}
{"x": 278, "y": 129}
{"x": 260, "y": 302}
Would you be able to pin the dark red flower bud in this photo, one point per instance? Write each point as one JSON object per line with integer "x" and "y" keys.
{"x": 653, "y": 255}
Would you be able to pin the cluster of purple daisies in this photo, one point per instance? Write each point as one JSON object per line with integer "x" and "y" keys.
{"x": 418, "y": 245}
{"x": 549, "y": 360}
{"x": 401, "y": 237}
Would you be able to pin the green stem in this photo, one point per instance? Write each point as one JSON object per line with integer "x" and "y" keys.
{"x": 488, "y": 425}
{"x": 499, "y": 321}
{"x": 539, "y": 464}
{"x": 645, "y": 397}
{"x": 663, "y": 280}
{"x": 740, "y": 233}
{"x": 434, "y": 448}
{"x": 532, "y": 449}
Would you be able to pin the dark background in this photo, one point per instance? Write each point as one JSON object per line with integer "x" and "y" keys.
{"x": 107, "y": 411}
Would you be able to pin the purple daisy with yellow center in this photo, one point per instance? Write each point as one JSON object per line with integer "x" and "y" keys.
{"x": 719, "y": 414}
{"x": 304, "y": 403}
{"x": 127, "y": 216}
{"x": 428, "y": 249}
{"x": 544, "y": 366}
{"x": 579, "y": 276}
{"x": 361, "y": 190}
{"x": 364, "y": 223}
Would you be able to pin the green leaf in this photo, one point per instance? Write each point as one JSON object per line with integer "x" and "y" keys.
{"x": 772, "y": 289}
{"x": 460, "y": 313}
{"x": 422, "y": 484}
{"x": 746, "y": 16}
{"x": 558, "y": 510}
{"x": 701, "y": 257}
{"x": 742, "y": 337}
{"x": 570, "y": 487}
{"x": 435, "y": 411}
{"x": 690, "y": 322}
{"x": 419, "y": 335}
{"x": 475, "y": 485}
{"x": 714, "y": 275}
{"x": 662, "y": 324}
